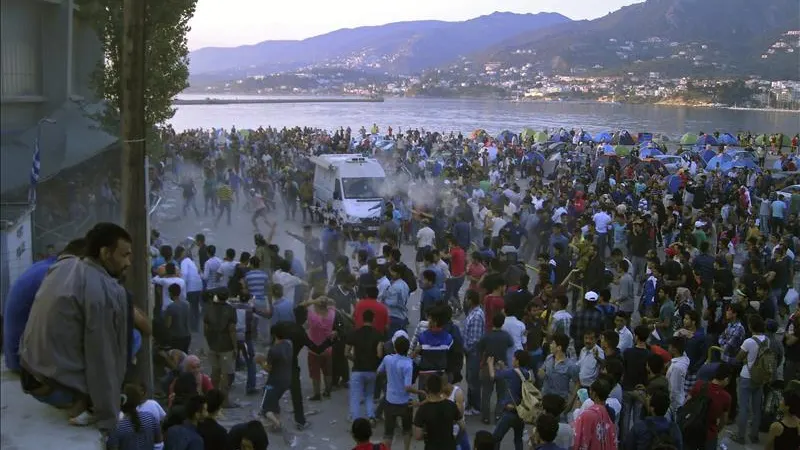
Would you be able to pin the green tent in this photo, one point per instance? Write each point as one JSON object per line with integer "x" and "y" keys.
{"x": 527, "y": 133}
{"x": 689, "y": 139}
{"x": 762, "y": 139}
{"x": 540, "y": 137}
{"x": 485, "y": 186}
{"x": 623, "y": 150}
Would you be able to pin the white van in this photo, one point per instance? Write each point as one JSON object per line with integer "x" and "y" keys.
{"x": 352, "y": 184}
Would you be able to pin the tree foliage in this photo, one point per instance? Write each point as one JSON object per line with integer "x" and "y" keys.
{"x": 166, "y": 54}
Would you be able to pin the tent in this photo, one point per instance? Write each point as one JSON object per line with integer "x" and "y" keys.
{"x": 534, "y": 157}
{"x": 561, "y": 136}
{"x": 707, "y": 155}
{"x": 743, "y": 164}
{"x": 527, "y": 133}
{"x": 649, "y": 152}
{"x": 727, "y": 139}
{"x": 586, "y": 137}
{"x": 625, "y": 138}
{"x": 603, "y": 137}
{"x": 540, "y": 137}
{"x": 608, "y": 149}
{"x": 762, "y": 139}
{"x": 689, "y": 139}
{"x": 674, "y": 183}
{"x": 718, "y": 162}
{"x": 479, "y": 133}
{"x": 505, "y": 136}
{"x": 623, "y": 150}
{"x": 707, "y": 139}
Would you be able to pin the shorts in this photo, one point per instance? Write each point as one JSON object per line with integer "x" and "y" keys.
{"x": 421, "y": 251}
{"x": 224, "y": 362}
{"x": 270, "y": 401}
{"x": 391, "y": 413}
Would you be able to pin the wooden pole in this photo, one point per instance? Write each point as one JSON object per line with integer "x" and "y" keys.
{"x": 134, "y": 170}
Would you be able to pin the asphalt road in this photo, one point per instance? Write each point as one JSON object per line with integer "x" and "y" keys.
{"x": 330, "y": 428}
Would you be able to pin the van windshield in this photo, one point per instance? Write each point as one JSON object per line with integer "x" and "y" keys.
{"x": 361, "y": 188}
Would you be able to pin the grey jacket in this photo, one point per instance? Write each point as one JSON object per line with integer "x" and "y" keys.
{"x": 77, "y": 334}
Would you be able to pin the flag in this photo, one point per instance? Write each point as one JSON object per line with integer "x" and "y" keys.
{"x": 35, "y": 168}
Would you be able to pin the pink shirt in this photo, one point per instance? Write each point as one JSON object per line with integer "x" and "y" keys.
{"x": 320, "y": 327}
{"x": 594, "y": 430}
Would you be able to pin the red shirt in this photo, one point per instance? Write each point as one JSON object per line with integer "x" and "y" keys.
{"x": 662, "y": 353}
{"x": 477, "y": 271}
{"x": 458, "y": 262}
{"x": 492, "y": 304}
{"x": 369, "y": 446}
{"x": 381, "y": 320}
{"x": 720, "y": 403}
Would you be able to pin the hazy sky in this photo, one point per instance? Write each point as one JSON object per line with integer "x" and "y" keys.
{"x": 226, "y": 23}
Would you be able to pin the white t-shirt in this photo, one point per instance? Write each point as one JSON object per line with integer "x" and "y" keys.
{"x": 750, "y": 345}
{"x": 152, "y": 407}
{"x": 288, "y": 281}
{"x": 601, "y": 222}
{"x": 516, "y": 329}
{"x": 497, "y": 224}
{"x": 425, "y": 237}
{"x": 165, "y": 283}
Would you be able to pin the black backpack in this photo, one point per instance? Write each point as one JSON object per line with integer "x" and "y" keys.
{"x": 661, "y": 439}
{"x": 410, "y": 279}
{"x": 692, "y": 417}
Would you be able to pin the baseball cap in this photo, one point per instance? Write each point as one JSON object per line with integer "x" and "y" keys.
{"x": 397, "y": 334}
{"x": 591, "y": 296}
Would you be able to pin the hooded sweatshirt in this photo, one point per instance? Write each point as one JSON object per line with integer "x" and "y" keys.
{"x": 676, "y": 376}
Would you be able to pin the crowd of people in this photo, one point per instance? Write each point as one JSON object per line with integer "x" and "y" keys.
{"x": 600, "y": 307}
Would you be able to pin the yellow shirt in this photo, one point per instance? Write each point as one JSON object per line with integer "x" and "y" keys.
{"x": 225, "y": 193}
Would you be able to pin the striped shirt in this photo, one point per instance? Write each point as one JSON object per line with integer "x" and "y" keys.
{"x": 256, "y": 282}
{"x": 225, "y": 193}
{"x": 125, "y": 437}
{"x": 434, "y": 345}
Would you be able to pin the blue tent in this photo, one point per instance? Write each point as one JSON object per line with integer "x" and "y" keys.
{"x": 673, "y": 183}
{"x": 603, "y": 137}
{"x": 706, "y": 139}
{"x": 707, "y": 155}
{"x": 560, "y": 136}
{"x": 718, "y": 162}
{"x": 743, "y": 164}
{"x": 649, "y": 152}
{"x": 608, "y": 149}
{"x": 534, "y": 158}
{"x": 505, "y": 136}
{"x": 586, "y": 137}
{"x": 727, "y": 139}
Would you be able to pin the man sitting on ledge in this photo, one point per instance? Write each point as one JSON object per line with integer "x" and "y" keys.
{"x": 74, "y": 350}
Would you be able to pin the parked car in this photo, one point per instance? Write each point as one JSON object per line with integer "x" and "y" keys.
{"x": 671, "y": 162}
{"x": 786, "y": 193}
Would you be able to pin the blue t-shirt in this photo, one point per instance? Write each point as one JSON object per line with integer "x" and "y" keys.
{"x": 399, "y": 371}
{"x": 514, "y": 392}
{"x": 434, "y": 344}
{"x": 430, "y": 297}
{"x": 18, "y": 307}
{"x": 282, "y": 311}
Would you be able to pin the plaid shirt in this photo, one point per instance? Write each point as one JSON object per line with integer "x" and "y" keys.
{"x": 585, "y": 320}
{"x": 731, "y": 341}
{"x": 473, "y": 328}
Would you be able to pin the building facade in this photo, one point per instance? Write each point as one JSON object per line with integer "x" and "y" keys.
{"x": 47, "y": 55}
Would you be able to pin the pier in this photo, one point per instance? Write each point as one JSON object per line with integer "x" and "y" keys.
{"x": 259, "y": 101}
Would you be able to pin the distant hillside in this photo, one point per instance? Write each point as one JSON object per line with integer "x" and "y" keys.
{"x": 397, "y": 48}
{"x": 675, "y": 37}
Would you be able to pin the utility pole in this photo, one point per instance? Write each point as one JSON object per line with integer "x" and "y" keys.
{"x": 134, "y": 171}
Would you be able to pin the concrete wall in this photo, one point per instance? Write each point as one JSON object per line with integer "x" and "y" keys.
{"x": 47, "y": 56}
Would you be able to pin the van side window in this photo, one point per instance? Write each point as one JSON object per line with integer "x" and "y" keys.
{"x": 337, "y": 190}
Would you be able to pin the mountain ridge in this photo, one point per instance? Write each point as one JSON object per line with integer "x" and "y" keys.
{"x": 400, "y": 47}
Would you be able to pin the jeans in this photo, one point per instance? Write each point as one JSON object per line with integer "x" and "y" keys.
{"x": 508, "y": 421}
{"x": 452, "y": 288}
{"x": 194, "y": 299}
{"x": 362, "y": 388}
{"x": 750, "y": 396}
{"x": 487, "y": 386}
{"x": 296, "y": 392}
{"x": 248, "y": 351}
{"x": 473, "y": 399}
{"x": 224, "y": 207}
{"x": 462, "y": 441}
